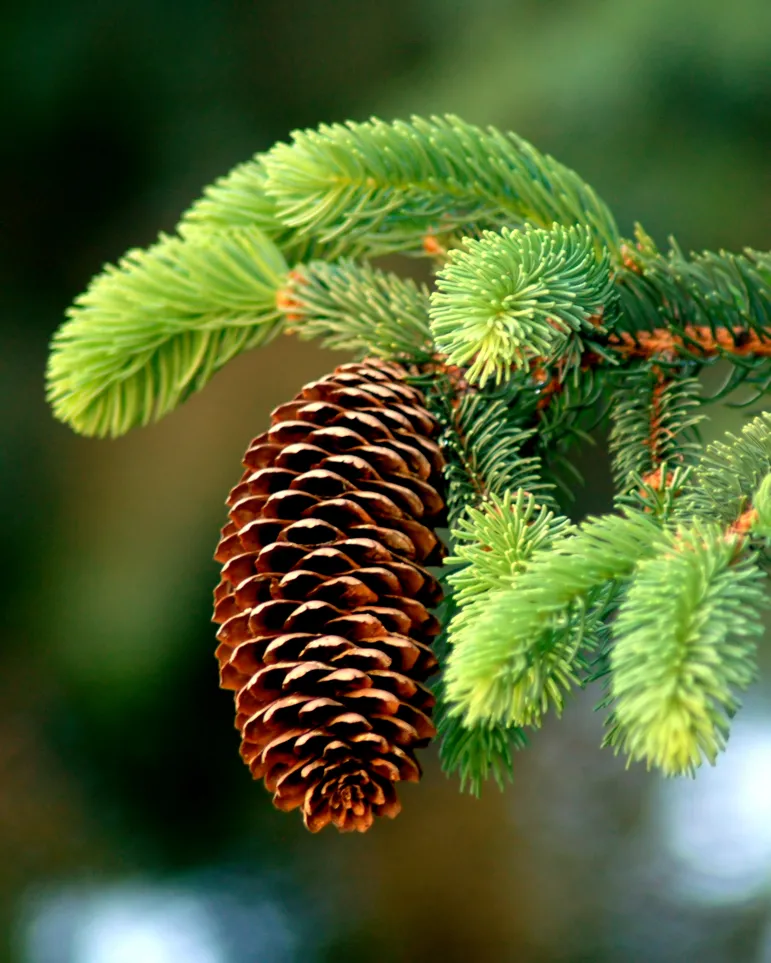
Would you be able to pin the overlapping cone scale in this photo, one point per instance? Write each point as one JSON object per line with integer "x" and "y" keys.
{"x": 323, "y": 605}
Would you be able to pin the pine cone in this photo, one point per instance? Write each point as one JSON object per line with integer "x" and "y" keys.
{"x": 325, "y": 630}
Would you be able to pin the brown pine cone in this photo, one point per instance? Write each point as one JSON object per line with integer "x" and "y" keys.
{"x": 325, "y": 629}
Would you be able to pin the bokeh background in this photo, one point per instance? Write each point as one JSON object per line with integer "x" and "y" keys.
{"x": 129, "y": 830}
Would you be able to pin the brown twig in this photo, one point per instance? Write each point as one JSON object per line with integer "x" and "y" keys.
{"x": 665, "y": 344}
{"x": 657, "y": 432}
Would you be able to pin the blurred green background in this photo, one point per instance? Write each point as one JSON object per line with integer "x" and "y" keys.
{"x": 129, "y": 830}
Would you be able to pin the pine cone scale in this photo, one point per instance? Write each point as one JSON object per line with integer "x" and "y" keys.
{"x": 325, "y": 630}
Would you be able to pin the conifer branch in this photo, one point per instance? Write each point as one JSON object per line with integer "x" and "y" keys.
{"x": 571, "y": 403}
{"x": 654, "y": 416}
{"x": 520, "y": 654}
{"x": 477, "y": 752}
{"x": 375, "y": 188}
{"x": 729, "y": 472}
{"x": 711, "y": 291}
{"x": 514, "y": 296}
{"x": 483, "y": 440}
{"x": 473, "y": 752}
{"x": 659, "y": 492}
{"x": 238, "y": 199}
{"x": 354, "y": 307}
{"x": 695, "y": 342}
{"x": 155, "y": 328}
{"x": 684, "y": 646}
{"x": 493, "y": 545}
{"x": 541, "y": 322}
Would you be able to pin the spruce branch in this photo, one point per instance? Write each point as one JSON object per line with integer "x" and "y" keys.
{"x": 659, "y": 492}
{"x": 155, "y": 328}
{"x": 375, "y": 188}
{"x": 511, "y": 297}
{"x": 572, "y": 402}
{"x": 477, "y": 752}
{"x": 520, "y": 654}
{"x": 694, "y": 342}
{"x": 708, "y": 307}
{"x": 238, "y": 199}
{"x": 493, "y": 544}
{"x": 473, "y": 752}
{"x": 483, "y": 443}
{"x": 717, "y": 291}
{"x": 355, "y": 307}
{"x": 684, "y": 646}
{"x": 730, "y": 471}
{"x": 541, "y": 323}
{"x": 654, "y": 418}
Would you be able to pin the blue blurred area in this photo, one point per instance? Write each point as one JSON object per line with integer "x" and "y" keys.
{"x": 198, "y": 919}
{"x": 129, "y": 829}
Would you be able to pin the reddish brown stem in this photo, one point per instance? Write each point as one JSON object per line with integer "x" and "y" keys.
{"x": 657, "y": 432}
{"x": 665, "y": 344}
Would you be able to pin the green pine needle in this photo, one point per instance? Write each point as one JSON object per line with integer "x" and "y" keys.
{"x": 473, "y": 752}
{"x": 510, "y": 297}
{"x": 654, "y": 419}
{"x": 354, "y": 307}
{"x": 375, "y": 187}
{"x": 494, "y": 543}
{"x": 482, "y": 441}
{"x": 710, "y": 289}
{"x": 236, "y": 200}
{"x": 684, "y": 647}
{"x": 478, "y": 752}
{"x": 240, "y": 200}
{"x": 155, "y": 328}
{"x": 761, "y": 502}
{"x": 514, "y": 653}
{"x": 729, "y": 471}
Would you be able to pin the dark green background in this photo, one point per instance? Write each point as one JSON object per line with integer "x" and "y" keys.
{"x": 129, "y": 830}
